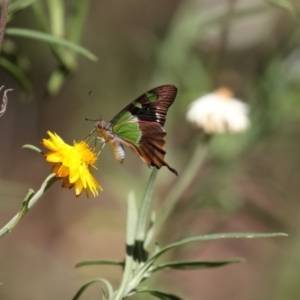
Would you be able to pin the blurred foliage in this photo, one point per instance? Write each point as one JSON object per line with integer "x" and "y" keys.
{"x": 61, "y": 32}
{"x": 248, "y": 181}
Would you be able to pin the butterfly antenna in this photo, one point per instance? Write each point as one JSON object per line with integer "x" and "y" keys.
{"x": 97, "y": 105}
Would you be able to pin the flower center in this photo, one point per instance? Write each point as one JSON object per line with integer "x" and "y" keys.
{"x": 225, "y": 93}
{"x": 85, "y": 153}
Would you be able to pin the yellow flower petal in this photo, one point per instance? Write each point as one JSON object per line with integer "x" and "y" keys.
{"x": 72, "y": 163}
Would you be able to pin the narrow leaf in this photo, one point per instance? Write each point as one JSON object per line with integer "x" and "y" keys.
{"x": 40, "y": 16}
{"x": 34, "y": 148}
{"x": 191, "y": 265}
{"x": 92, "y": 281}
{"x": 42, "y": 22}
{"x": 48, "y": 38}
{"x": 18, "y": 74}
{"x": 159, "y": 294}
{"x": 99, "y": 262}
{"x": 204, "y": 238}
{"x": 217, "y": 236}
{"x": 17, "y": 6}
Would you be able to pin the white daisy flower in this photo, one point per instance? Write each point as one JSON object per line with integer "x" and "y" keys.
{"x": 219, "y": 112}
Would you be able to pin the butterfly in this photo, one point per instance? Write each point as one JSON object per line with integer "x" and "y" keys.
{"x": 140, "y": 127}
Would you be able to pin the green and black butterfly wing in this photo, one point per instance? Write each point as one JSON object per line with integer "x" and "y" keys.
{"x": 140, "y": 125}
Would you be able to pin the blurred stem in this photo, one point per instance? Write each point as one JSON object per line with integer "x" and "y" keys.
{"x": 30, "y": 200}
{"x": 4, "y": 11}
{"x": 56, "y": 15}
{"x": 76, "y": 20}
{"x": 41, "y": 20}
{"x": 224, "y": 35}
{"x": 185, "y": 179}
{"x": 75, "y": 26}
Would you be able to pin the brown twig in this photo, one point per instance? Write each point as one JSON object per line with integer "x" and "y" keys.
{"x": 3, "y": 18}
{"x": 4, "y": 101}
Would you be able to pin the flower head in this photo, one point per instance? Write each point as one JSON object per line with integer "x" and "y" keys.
{"x": 219, "y": 112}
{"x": 72, "y": 164}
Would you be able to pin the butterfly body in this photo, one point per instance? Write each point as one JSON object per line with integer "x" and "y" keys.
{"x": 107, "y": 136}
{"x": 140, "y": 126}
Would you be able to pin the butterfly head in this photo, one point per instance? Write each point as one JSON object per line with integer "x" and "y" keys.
{"x": 102, "y": 128}
{"x": 100, "y": 124}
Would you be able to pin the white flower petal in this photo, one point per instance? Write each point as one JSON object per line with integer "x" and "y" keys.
{"x": 218, "y": 113}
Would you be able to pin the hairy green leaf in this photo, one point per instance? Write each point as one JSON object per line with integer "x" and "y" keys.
{"x": 198, "y": 264}
{"x": 204, "y": 238}
{"x": 217, "y": 236}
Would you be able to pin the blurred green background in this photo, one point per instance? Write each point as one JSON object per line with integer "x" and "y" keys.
{"x": 249, "y": 182}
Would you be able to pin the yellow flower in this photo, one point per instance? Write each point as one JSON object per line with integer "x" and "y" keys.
{"x": 72, "y": 163}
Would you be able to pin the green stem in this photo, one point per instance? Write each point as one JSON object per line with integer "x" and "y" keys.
{"x": 185, "y": 179}
{"x": 140, "y": 232}
{"x": 144, "y": 208}
{"x": 29, "y": 201}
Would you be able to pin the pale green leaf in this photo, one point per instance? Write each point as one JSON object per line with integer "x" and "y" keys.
{"x": 190, "y": 265}
{"x": 17, "y": 6}
{"x": 205, "y": 238}
{"x": 56, "y": 81}
{"x": 92, "y": 281}
{"x": 158, "y": 294}
{"x": 18, "y": 74}
{"x": 48, "y": 38}
{"x": 31, "y": 147}
{"x": 217, "y": 236}
{"x": 43, "y": 25}
{"x": 99, "y": 262}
